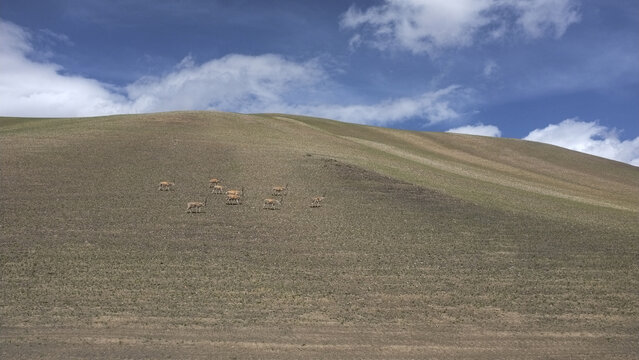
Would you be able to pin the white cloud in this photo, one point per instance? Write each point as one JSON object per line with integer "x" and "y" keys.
{"x": 432, "y": 107}
{"x": 238, "y": 83}
{"x": 420, "y": 25}
{"x": 540, "y": 17}
{"x": 30, "y": 88}
{"x": 232, "y": 83}
{"x": 590, "y": 138}
{"x": 479, "y": 129}
{"x": 269, "y": 83}
{"x": 429, "y": 25}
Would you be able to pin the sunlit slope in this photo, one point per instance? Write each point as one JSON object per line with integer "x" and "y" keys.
{"x": 427, "y": 245}
{"x": 507, "y": 173}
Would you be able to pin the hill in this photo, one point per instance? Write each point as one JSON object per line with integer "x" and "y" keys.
{"x": 430, "y": 245}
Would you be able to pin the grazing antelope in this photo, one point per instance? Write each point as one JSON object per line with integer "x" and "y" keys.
{"x": 233, "y": 199}
{"x": 195, "y": 205}
{"x": 280, "y": 190}
{"x": 218, "y": 189}
{"x": 272, "y": 204}
{"x": 166, "y": 185}
{"x": 316, "y": 201}
{"x": 213, "y": 182}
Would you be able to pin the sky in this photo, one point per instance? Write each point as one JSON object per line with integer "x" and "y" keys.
{"x": 564, "y": 72}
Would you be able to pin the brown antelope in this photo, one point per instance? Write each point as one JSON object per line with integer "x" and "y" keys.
{"x": 233, "y": 199}
{"x": 218, "y": 189}
{"x": 280, "y": 190}
{"x": 195, "y": 205}
{"x": 272, "y": 204}
{"x": 235, "y": 192}
{"x": 317, "y": 201}
{"x": 166, "y": 185}
{"x": 213, "y": 182}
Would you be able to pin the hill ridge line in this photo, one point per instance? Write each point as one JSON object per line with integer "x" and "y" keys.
{"x": 469, "y": 173}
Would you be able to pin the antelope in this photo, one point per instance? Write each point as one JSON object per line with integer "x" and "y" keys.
{"x": 217, "y": 189}
{"x": 235, "y": 192}
{"x": 166, "y": 185}
{"x": 316, "y": 201}
{"x": 272, "y": 204}
{"x": 233, "y": 199}
{"x": 280, "y": 190}
{"x": 213, "y": 182}
{"x": 195, "y": 205}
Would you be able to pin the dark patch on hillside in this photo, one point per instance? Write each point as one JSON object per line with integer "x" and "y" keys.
{"x": 380, "y": 183}
{"x": 400, "y": 194}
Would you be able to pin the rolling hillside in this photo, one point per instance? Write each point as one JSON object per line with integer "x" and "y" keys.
{"x": 428, "y": 245}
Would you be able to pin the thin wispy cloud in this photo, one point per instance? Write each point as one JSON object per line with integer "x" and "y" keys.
{"x": 432, "y": 107}
{"x": 428, "y": 26}
{"x": 490, "y": 68}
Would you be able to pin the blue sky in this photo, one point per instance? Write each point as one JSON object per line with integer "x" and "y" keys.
{"x": 559, "y": 71}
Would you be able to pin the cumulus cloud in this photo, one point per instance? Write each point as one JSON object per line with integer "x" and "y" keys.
{"x": 590, "y": 138}
{"x": 238, "y": 83}
{"x": 232, "y": 83}
{"x": 430, "y": 25}
{"x": 31, "y": 88}
{"x": 479, "y": 129}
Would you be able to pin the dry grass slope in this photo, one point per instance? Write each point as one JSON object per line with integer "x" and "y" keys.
{"x": 428, "y": 245}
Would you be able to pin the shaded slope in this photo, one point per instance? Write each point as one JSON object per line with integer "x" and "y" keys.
{"x": 423, "y": 262}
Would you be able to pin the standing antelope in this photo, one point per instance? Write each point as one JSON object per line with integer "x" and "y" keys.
{"x": 280, "y": 190}
{"x": 217, "y": 189}
{"x": 233, "y": 199}
{"x": 190, "y": 206}
{"x": 166, "y": 185}
{"x": 272, "y": 204}
{"x": 213, "y": 182}
{"x": 316, "y": 201}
